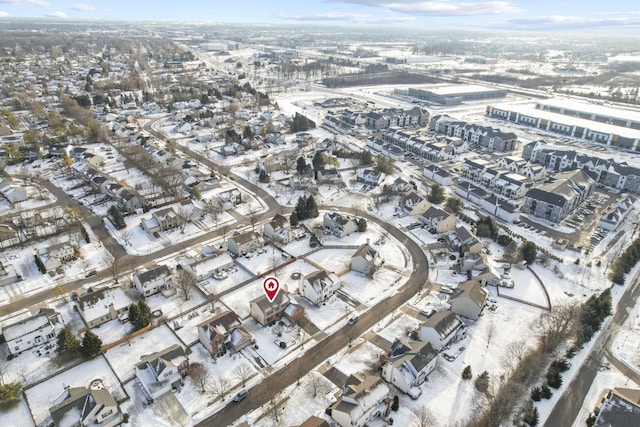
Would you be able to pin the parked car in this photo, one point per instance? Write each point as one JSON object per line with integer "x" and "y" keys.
{"x": 240, "y": 395}
{"x": 352, "y": 320}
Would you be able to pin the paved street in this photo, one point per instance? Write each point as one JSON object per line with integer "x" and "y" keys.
{"x": 568, "y": 406}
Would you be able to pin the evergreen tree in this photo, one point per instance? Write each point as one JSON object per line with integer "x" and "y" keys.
{"x": 134, "y": 316}
{"x": 366, "y": 158}
{"x": 528, "y": 252}
{"x": 301, "y": 208}
{"x": 362, "y": 225}
{"x": 293, "y": 218}
{"x": 466, "y": 373}
{"x": 312, "y": 207}
{"x": 195, "y": 193}
{"x": 301, "y": 165}
{"x": 91, "y": 344}
{"x": 436, "y": 195}
{"x": 482, "y": 382}
{"x": 145, "y": 313}
{"x": 9, "y": 395}
{"x": 67, "y": 342}
{"x": 530, "y": 415}
{"x": 318, "y": 161}
{"x": 454, "y": 204}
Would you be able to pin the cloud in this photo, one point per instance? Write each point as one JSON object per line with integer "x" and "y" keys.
{"x": 440, "y": 7}
{"x": 359, "y": 18}
{"x": 39, "y": 3}
{"x": 83, "y": 7}
{"x": 3, "y": 14}
{"x": 57, "y": 14}
{"x": 564, "y": 22}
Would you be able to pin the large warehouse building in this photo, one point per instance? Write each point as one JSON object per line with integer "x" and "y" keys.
{"x": 456, "y": 94}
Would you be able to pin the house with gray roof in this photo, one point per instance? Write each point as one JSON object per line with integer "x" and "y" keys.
{"x": 81, "y": 406}
{"x": 38, "y": 329}
{"x": 162, "y": 371}
{"x": 619, "y": 407}
{"x": 153, "y": 280}
{"x": 100, "y": 306}
{"x": 244, "y": 243}
{"x": 339, "y": 225}
{"x": 438, "y": 219}
{"x": 222, "y": 333}
{"x": 363, "y": 400}
{"x": 408, "y": 365}
{"x": 318, "y": 286}
{"x": 268, "y": 313}
{"x": 366, "y": 260}
{"x": 559, "y": 196}
{"x": 442, "y": 329}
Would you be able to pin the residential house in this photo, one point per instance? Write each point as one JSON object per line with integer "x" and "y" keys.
{"x": 613, "y": 216}
{"x": 244, "y": 243}
{"x": 408, "y": 365}
{"x": 319, "y": 286}
{"x": 437, "y": 175}
{"x": 438, "y": 219}
{"x": 619, "y": 407}
{"x": 8, "y": 274}
{"x": 314, "y": 421}
{"x": 369, "y": 177}
{"x": 339, "y": 225}
{"x": 278, "y": 230}
{"x": 161, "y": 372}
{"x": 366, "y": 260}
{"x": 203, "y": 268}
{"x": 559, "y": 196}
{"x": 168, "y": 219}
{"x": 39, "y": 329}
{"x": 267, "y": 313}
{"x": 328, "y": 176}
{"x": 402, "y": 186}
{"x": 56, "y": 255}
{"x": 81, "y": 406}
{"x": 413, "y": 204}
{"x": 471, "y": 192}
{"x": 466, "y": 241}
{"x": 441, "y": 329}
{"x": 153, "y": 280}
{"x": 129, "y": 200}
{"x": 223, "y": 333}
{"x": 469, "y": 300}
{"x": 100, "y": 306}
{"x": 363, "y": 399}
{"x": 14, "y": 193}
{"x": 229, "y": 199}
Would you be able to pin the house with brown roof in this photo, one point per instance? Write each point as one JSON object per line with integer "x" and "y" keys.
{"x": 268, "y": 313}
{"x": 469, "y": 299}
{"x": 222, "y": 333}
{"x": 363, "y": 399}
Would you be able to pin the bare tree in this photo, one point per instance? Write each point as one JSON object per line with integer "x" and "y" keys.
{"x": 273, "y": 263}
{"x": 253, "y": 218}
{"x": 358, "y": 209}
{"x": 351, "y": 334}
{"x": 84, "y": 263}
{"x": 242, "y": 372}
{"x": 513, "y": 354}
{"x": 199, "y": 373}
{"x": 491, "y": 329}
{"x": 315, "y": 384}
{"x": 4, "y": 368}
{"x": 272, "y": 397}
{"x": 423, "y": 417}
{"x": 556, "y": 325}
{"x": 220, "y": 388}
{"x": 126, "y": 235}
{"x": 185, "y": 283}
{"x": 112, "y": 265}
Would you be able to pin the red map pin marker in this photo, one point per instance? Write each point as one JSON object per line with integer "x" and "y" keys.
{"x": 271, "y": 288}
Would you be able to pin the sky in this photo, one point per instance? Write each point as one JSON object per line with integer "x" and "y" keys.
{"x": 620, "y": 16}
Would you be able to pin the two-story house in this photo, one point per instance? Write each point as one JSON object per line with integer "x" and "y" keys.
{"x": 408, "y": 365}
{"x": 154, "y": 280}
{"x": 278, "y": 230}
{"x": 339, "y": 225}
{"x": 222, "y": 333}
{"x": 319, "y": 286}
{"x": 366, "y": 260}
{"x": 469, "y": 299}
{"x": 439, "y": 220}
{"x": 39, "y": 329}
{"x": 167, "y": 219}
{"x": 244, "y": 243}
{"x": 81, "y": 406}
{"x": 161, "y": 372}
{"x": 100, "y": 306}
{"x": 441, "y": 329}
{"x": 414, "y": 204}
{"x": 363, "y": 400}
{"x": 267, "y": 313}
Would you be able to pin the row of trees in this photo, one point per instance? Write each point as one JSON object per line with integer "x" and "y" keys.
{"x": 625, "y": 262}
{"x": 70, "y": 347}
